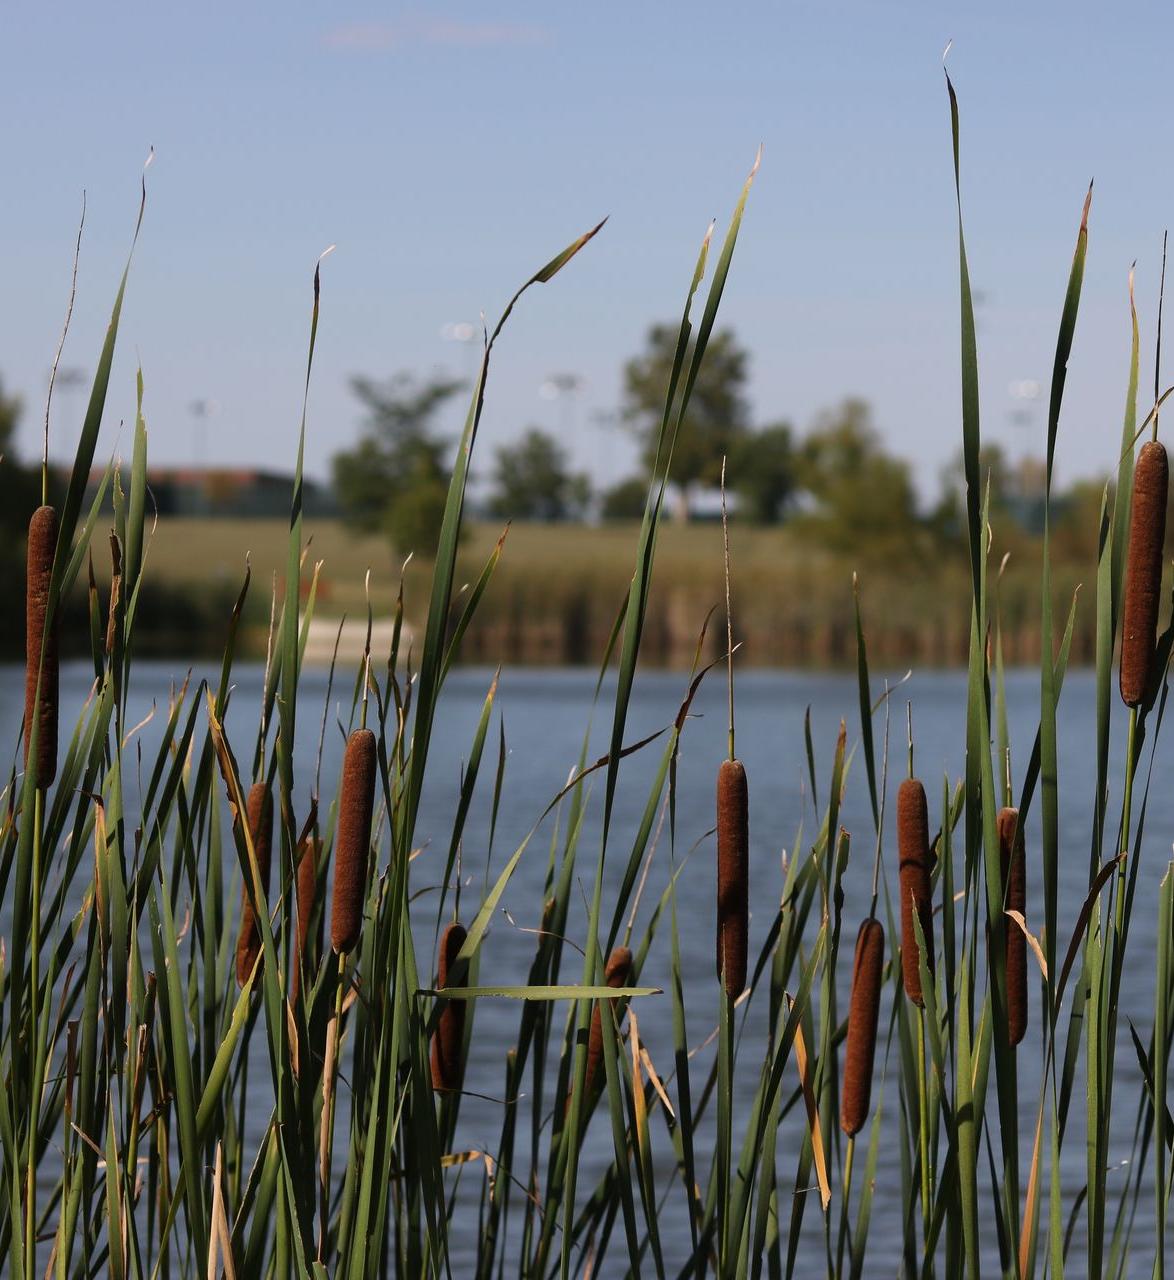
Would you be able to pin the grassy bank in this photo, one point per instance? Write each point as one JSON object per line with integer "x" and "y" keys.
{"x": 557, "y": 589}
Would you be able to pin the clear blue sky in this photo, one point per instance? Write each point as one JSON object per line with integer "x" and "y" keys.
{"x": 449, "y": 150}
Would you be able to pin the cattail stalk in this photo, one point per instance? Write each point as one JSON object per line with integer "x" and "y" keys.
{"x": 307, "y": 887}
{"x": 1143, "y": 571}
{"x": 913, "y": 851}
{"x": 1011, "y": 849}
{"x": 356, "y": 804}
{"x": 733, "y": 866}
{"x": 449, "y": 1038}
{"x": 916, "y": 903}
{"x": 616, "y": 974}
{"x": 40, "y": 682}
{"x": 259, "y": 816}
{"x": 863, "y": 1009}
{"x": 619, "y": 966}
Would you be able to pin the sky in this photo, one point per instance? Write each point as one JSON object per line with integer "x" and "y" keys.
{"x": 449, "y": 150}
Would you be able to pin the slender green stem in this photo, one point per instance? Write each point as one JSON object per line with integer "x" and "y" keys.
{"x": 923, "y": 1124}
{"x": 30, "y": 1235}
{"x": 1158, "y": 341}
{"x": 1126, "y": 821}
{"x": 326, "y": 1154}
{"x": 725, "y": 1051}
{"x": 729, "y": 616}
{"x": 849, "y": 1158}
{"x": 909, "y": 732}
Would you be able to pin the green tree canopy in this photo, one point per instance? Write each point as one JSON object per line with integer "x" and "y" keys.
{"x": 532, "y": 480}
{"x": 762, "y": 472}
{"x": 395, "y": 479}
{"x": 718, "y": 418}
{"x": 949, "y": 516}
{"x": 862, "y": 497}
{"x": 625, "y": 500}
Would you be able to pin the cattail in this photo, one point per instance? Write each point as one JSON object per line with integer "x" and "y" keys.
{"x": 733, "y": 866}
{"x": 862, "y": 1016}
{"x": 615, "y": 974}
{"x": 449, "y": 1039}
{"x": 41, "y": 646}
{"x": 259, "y": 815}
{"x": 913, "y": 852}
{"x": 307, "y": 886}
{"x": 1143, "y": 571}
{"x": 1015, "y": 878}
{"x": 619, "y": 966}
{"x": 352, "y": 844}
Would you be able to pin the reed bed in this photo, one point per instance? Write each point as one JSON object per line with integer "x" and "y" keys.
{"x": 259, "y": 816}
{"x": 41, "y": 663}
{"x": 192, "y": 1089}
{"x": 448, "y": 1042}
{"x": 356, "y": 801}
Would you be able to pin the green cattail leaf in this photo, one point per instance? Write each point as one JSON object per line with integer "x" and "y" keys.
{"x": 214, "y": 1084}
{"x": 1163, "y": 1027}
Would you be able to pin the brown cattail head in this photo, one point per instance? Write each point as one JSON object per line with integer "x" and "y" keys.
{"x": 259, "y": 815}
{"x": 38, "y": 638}
{"x": 1143, "y": 571}
{"x": 307, "y": 887}
{"x": 862, "y": 1017}
{"x": 352, "y": 844}
{"x": 733, "y": 870}
{"x": 449, "y": 1038}
{"x": 616, "y": 974}
{"x": 913, "y": 853}
{"x": 1015, "y": 878}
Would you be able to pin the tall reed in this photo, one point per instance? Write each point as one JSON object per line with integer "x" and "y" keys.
{"x": 259, "y": 816}
{"x": 615, "y": 975}
{"x": 914, "y": 878}
{"x": 352, "y": 843}
{"x": 306, "y": 894}
{"x": 449, "y": 1038}
{"x": 1143, "y": 571}
{"x": 863, "y": 1010}
{"x": 1014, "y": 862}
{"x": 733, "y": 871}
{"x": 41, "y": 660}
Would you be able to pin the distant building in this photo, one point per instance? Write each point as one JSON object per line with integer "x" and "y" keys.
{"x": 238, "y": 492}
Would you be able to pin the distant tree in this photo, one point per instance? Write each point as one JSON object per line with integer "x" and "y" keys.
{"x": 762, "y": 473}
{"x": 532, "y": 481}
{"x": 625, "y": 501}
{"x": 1077, "y": 522}
{"x": 718, "y": 414}
{"x": 20, "y": 485}
{"x": 993, "y": 468}
{"x": 395, "y": 479}
{"x": 1016, "y": 493}
{"x": 862, "y": 497}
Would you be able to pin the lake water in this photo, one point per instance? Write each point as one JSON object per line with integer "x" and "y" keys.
{"x": 545, "y": 712}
